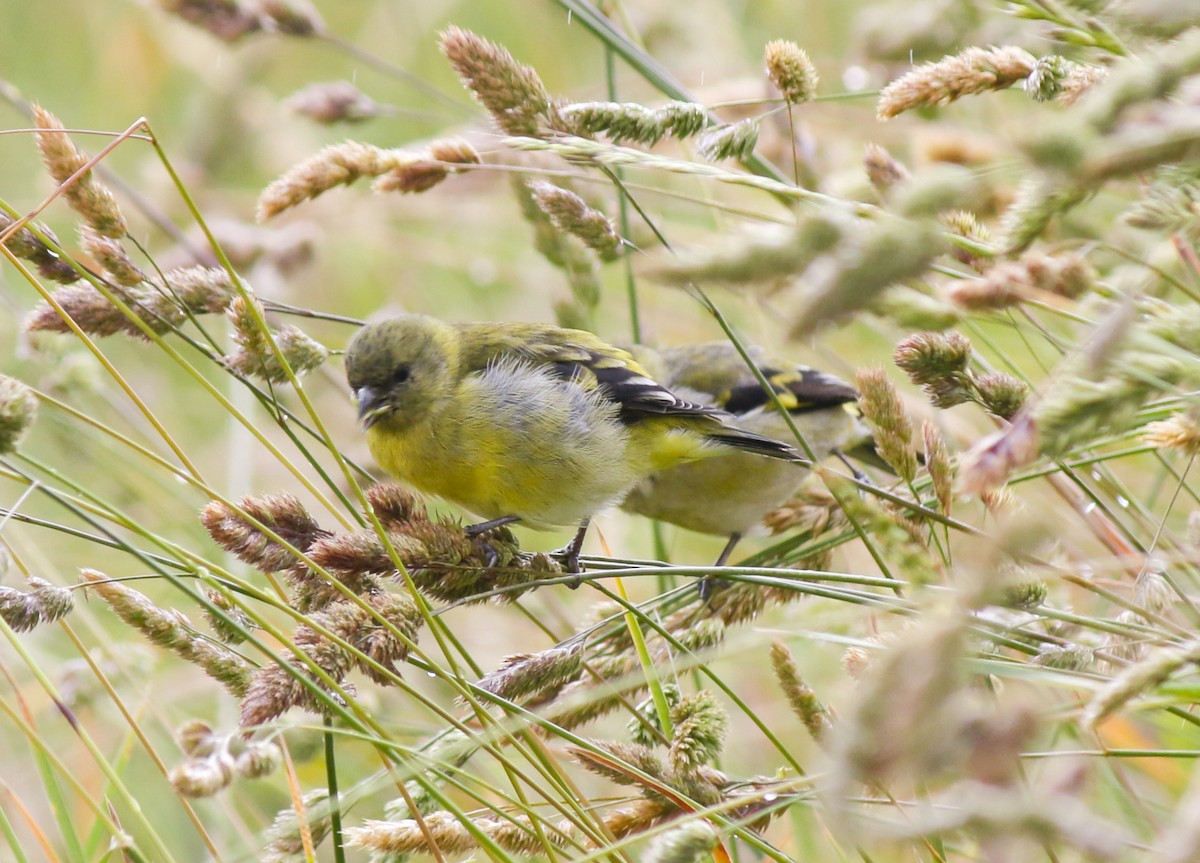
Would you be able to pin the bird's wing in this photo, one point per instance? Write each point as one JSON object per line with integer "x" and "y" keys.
{"x": 799, "y": 389}
{"x": 580, "y": 357}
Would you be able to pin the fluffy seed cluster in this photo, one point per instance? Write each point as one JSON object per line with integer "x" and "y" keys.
{"x": 975, "y": 70}
{"x": 215, "y": 760}
{"x": 160, "y": 307}
{"x": 333, "y": 102}
{"x": 790, "y": 70}
{"x": 44, "y": 602}
{"x": 255, "y": 356}
{"x": 511, "y": 92}
{"x": 87, "y": 196}
{"x": 1036, "y": 276}
{"x": 325, "y": 570}
{"x": 230, "y": 20}
{"x": 570, "y": 213}
{"x": 732, "y": 141}
{"x": 629, "y": 121}
{"x": 18, "y": 409}
{"x": 171, "y": 630}
{"x": 939, "y": 364}
{"x": 342, "y": 164}
{"x": 28, "y": 246}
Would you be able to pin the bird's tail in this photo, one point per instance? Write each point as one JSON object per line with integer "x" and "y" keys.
{"x": 756, "y": 443}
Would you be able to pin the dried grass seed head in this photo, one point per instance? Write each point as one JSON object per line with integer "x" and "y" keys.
{"x": 285, "y": 515}
{"x": 511, "y": 92}
{"x": 881, "y": 406}
{"x": 629, "y": 121}
{"x": 18, "y": 410}
{"x": 975, "y": 70}
{"x": 791, "y": 70}
{"x": 731, "y": 141}
{"x": 333, "y": 102}
{"x": 228, "y": 20}
{"x": 884, "y": 171}
{"x": 255, "y": 356}
{"x": 26, "y": 245}
{"x": 89, "y": 198}
{"x": 570, "y": 213}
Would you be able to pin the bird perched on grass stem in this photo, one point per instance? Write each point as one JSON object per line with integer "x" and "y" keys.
{"x": 730, "y": 494}
{"x": 526, "y": 422}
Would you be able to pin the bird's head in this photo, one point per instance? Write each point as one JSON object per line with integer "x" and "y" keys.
{"x": 400, "y": 369}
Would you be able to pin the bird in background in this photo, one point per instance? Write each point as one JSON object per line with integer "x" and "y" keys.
{"x": 729, "y": 495}
{"x": 527, "y": 422}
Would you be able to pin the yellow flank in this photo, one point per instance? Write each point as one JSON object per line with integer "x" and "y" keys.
{"x": 542, "y": 423}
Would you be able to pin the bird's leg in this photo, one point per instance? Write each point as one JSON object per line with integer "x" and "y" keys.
{"x": 708, "y": 582}
{"x": 474, "y": 531}
{"x": 858, "y": 474}
{"x": 568, "y": 555}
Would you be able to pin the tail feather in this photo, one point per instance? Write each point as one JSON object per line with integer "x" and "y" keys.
{"x": 758, "y": 444}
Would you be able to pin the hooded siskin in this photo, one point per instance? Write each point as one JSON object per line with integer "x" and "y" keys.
{"x": 730, "y": 494}
{"x": 536, "y": 422}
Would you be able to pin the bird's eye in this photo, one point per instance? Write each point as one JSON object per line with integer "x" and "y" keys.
{"x": 400, "y": 375}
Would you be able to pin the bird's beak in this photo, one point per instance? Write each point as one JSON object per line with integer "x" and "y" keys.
{"x": 371, "y": 406}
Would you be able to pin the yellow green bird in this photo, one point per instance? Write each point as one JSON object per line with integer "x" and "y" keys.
{"x": 730, "y": 494}
{"x": 526, "y": 422}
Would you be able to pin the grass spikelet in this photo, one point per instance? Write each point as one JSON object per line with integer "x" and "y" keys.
{"x": 190, "y": 290}
{"x": 254, "y": 356}
{"x": 423, "y": 170}
{"x": 1034, "y": 277}
{"x": 202, "y": 777}
{"x": 937, "y": 462}
{"x": 285, "y": 842}
{"x": 512, "y": 93}
{"x": 691, "y": 842}
{"x": 18, "y": 410}
{"x": 937, "y": 362}
{"x": 171, "y": 630}
{"x": 804, "y": 702}
{"x": 448, "y": 834}
{"x": 24, "y": 610}
{"x": 336, "y": 165}
{"x": 637, "y": 755}
{"x": 791, "y": 71}
{"x": 1037, "y": 202}
{"x": 110, "y": 254}
{"x": 1056, "y": 77}
{"x": 526, "y": 674}
{"x": 700, "y": 728}
{"x": 881, "y": 406}
{"x": 293, "y": 17}
{"x": 732, "y": 141}
{"x": 975, "y": 70}
{"x": 1179, "y": 431}
{"x": 228, "y": 20}
{"x": 333, "y": 102}
{"x": 26, "y": 245}
{"x": 883, "y": 171}
{"x": 88, "y": 197}
{"x": 283, "y": 514}
{"x": 1136, "y": 680}
{"x": 629, "y": 121}
{"x": 570, "y": 213}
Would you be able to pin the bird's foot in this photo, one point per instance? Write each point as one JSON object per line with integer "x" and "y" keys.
{"x": 710, "y": 583}
{"x": 568, "y": 556}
